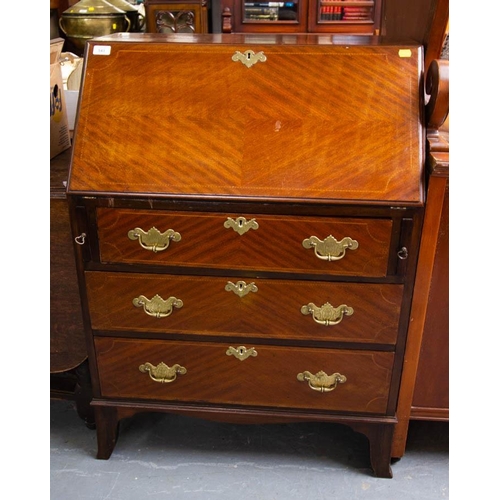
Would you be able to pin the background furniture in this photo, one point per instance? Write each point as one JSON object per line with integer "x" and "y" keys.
{"x": 176, "y": 16}
{"x": 70, "y": 378}
{"x": 301, "y": 16}
{"x": 425, "y": 21}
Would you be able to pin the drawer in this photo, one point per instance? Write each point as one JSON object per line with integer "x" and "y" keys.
{"x": 265, "y": 242}
{"x": 267, "y": 308}
{"x": 269, "y": 376}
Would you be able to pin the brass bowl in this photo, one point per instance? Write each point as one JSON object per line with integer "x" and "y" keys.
{"x": 91, "y": 18}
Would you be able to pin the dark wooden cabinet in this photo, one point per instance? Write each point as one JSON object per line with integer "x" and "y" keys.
{"x": 70, "y": 378}
{"x": 302, "y": 16}
{"x": 248, "y": 238}
{"x": 176, "y": 16}
{"x": 425, "y": 21}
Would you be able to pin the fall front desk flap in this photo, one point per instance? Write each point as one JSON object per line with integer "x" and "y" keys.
{"x": 266, "y": 117}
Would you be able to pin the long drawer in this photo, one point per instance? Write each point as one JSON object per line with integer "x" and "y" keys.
{"x": 337, "y": 246}
{"x": 267, "y": 308}
{"x": 322, "y": 379}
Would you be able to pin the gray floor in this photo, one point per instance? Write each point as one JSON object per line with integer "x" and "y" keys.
{"x": 170, "y": 456}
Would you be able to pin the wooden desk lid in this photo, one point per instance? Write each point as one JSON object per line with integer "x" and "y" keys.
{"x": 320, "y": 119}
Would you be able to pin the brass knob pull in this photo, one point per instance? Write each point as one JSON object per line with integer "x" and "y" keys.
{"x": 154, "y": 240}
{"x": 240, "y": 288}
{"x": 157, "y": 307}
{"x": 327, "y": 314}
{"x": 162, "y": 373}
{"x": 330, "y": 249}
{"x": 321, "y": 381}
{"x": 241, "y": 225}
{"x": 241, "y": 352}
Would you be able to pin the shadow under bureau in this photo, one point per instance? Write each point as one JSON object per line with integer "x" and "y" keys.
{"x": 246, "y": 213}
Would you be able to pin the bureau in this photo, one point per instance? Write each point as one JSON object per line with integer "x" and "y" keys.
{"x": 246, "y": 214}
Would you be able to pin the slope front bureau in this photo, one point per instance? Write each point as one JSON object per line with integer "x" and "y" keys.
{"x": 246, "y": 213}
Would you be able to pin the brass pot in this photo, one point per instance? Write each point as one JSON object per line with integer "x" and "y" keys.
{"x": 90, "y": 18}
{"x": 137, "y": 20}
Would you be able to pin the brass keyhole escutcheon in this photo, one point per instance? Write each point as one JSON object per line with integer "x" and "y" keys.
{"x": 241, "y": 352}
{"x": 249, "y": 57}
{"x": 240, "y": 288}
{"x": 241, "y": 225}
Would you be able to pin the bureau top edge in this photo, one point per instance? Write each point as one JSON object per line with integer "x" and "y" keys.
{"x": 255, "y": 38}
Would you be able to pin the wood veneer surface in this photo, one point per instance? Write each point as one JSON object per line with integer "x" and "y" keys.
{"x": 275, "y": 245}
{"x": 268, "y": 379}
{"x": 273, "y": 311}
{"x": 175, "y": 116}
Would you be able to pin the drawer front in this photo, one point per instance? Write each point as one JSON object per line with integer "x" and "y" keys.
{"x": 264, "y": 308}
{"x": 271, "y": 243}
{"x": 269, "y": 376}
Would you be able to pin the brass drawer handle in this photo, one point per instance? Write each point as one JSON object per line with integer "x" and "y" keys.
{"x": 241, "y": 352}
{"x": 162, "y": 373}
{"x": 157, "y": 307}
{"x": 330, "y": 249}
{"x": 241, "y": 225}
{"x": 327, "y": 314}
{"x": 154, "y": 240}
{"x": 321, "y": 381}
{"x": 240, "y": 288}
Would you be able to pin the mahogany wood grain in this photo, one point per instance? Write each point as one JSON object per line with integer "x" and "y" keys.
{"x": 431, "y": 394}
{"x": 273, "y": 311}
{"x": 276, "y": 245}
{"x": 324, "y": 135}
{"x": 165, "y": 138}
{"x": 268, "y": 379}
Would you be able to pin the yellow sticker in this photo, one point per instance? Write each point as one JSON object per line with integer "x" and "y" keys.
{"x": 114, "y": 26}
{"x": 404, "y": 53}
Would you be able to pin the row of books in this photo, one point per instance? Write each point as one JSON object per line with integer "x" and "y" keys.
{"x": 269, "y": 4}
{"x": 273, "y": 11}
{"x": 270, "y": 11}
{"x": 337, "y": 13}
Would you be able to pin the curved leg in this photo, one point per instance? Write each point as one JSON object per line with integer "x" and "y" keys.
{"x": 107, "y": 430}
{"x": 83, "y": 395}
{"x": 380, "y": 437}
